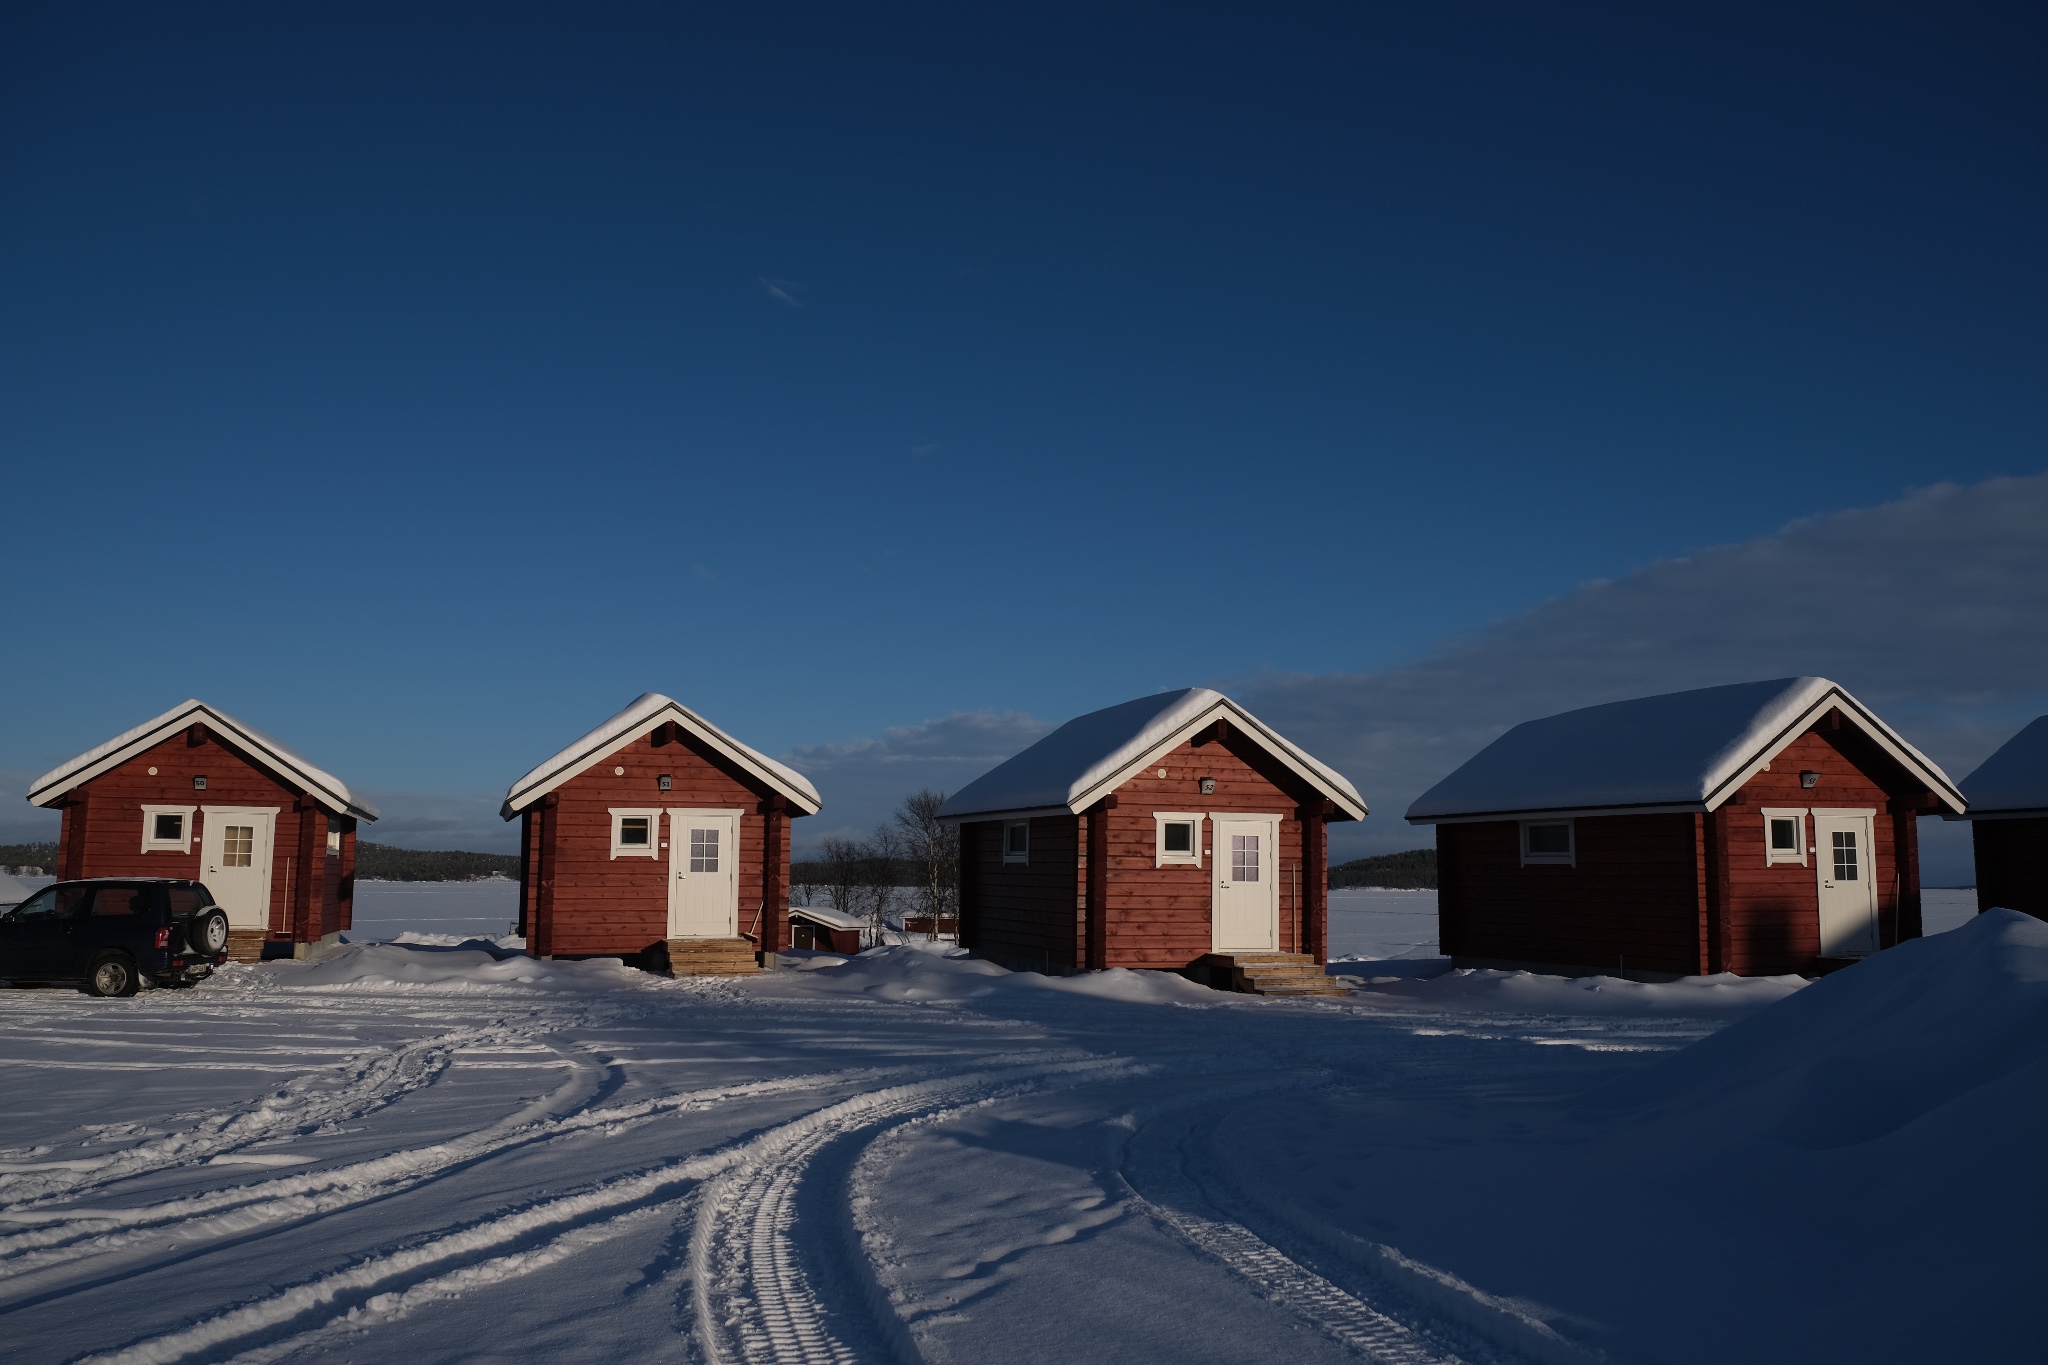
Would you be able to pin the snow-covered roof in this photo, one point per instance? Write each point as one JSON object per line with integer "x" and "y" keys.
{"x": 324, "y": 787}
{"x": 827, "y": 916}
{"x": 1091, "y": 756}
{"x": 647, "y": 711}
{"x": 2015, "y": 778}
{"x": 1680, "y": 751}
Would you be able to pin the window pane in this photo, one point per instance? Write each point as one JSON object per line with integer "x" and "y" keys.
{"x": 633, "y": 830}
{"x": 1845, "y": 856}
{"x": 1244, "y": 857}
{"x": 1180, "y": 837}
{"x": 120, "y": 900}
{"x": 186, "y": 900}
{"x": 703, "y": 850}
{"x": 1785, "y": 835}
{"x": 1018, "y": 835}
{"x": 238, "y": 846}
{"x": 169, "y": 828}
{"x": 1550, "y": 838}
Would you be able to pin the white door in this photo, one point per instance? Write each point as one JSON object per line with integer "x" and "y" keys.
{"x": 1848, "y": 894}
{"x": 1245, "y": 909}
{"x": 235, "y": 847}
{"x": 704, "y": 878}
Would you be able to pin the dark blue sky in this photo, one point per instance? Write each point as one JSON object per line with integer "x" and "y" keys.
{"x": 421, "y": 382}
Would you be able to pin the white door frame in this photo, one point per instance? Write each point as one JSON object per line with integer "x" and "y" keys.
{"x": 1863, "y": 819}
{"x": 679, "y": 818}
{"x": 1219, "y": 877}
{"x": 215, "y": 820}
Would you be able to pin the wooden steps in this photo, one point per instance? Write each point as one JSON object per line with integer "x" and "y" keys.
{"x": 712, "y": 957}
{"x": 1271, "y": 974}
{"x": 245, "y": 945}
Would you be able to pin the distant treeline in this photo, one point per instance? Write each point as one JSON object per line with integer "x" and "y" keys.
{"x": 374, "y": 862}
{"x": 29, "y": 855}
{"x": 881, "y": 871}
{"x": 383, "y": 863}
{"x": 1414, "y": 870}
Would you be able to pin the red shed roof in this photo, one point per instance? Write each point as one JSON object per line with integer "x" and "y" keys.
{"x": 640, "y": 717}
{"x": 1680, "y": 751}
{"x": 324, "y": 787}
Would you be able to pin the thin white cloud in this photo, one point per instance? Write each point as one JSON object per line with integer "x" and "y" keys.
{"x": 783, "y": 291}
{"x": 1933, "y": 609}
{"x": 862, "y": 781}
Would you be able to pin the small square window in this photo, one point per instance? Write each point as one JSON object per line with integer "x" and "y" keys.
{"x": 1017, "y": 842}
{"x": 1784, "y": 837}
{"x": 167, "y": 829}
{"x": 633, "y": 833}
{"x": 1178, "y": 839}
{"x": 1547, "y": 841}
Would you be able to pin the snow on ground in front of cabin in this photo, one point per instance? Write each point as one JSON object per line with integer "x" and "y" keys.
{"x": 449, "y": 1152}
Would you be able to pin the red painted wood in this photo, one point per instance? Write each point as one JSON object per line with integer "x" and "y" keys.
{"x": 1111, "y": 892}
{"x": 592, "y": 904}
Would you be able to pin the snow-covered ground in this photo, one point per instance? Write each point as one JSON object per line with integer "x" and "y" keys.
{"x": 450, "y": 1154}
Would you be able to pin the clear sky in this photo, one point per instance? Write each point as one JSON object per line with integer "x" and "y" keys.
{"x": 422, "y": 382}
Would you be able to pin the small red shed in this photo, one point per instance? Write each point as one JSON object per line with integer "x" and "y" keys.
{"x": 2008, "y": 818}
{"x": 1759, "y": 828}
{"x": 195, "y": 793}
{"x": 660, "y": 839}
{"x": 1175, "y": 832}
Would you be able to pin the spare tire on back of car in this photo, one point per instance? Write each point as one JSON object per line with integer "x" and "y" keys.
{"x": 206, "y": 933}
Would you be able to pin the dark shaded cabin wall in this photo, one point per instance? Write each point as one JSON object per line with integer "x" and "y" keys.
{"x": 1022, "y": 915}
{"x": 2012, "y": 865}
{"x": 1633, "y": 899}
{"x": 598, "y": 905}
{"x": 103, "y": 818}
{"x": 1161, "y": 917}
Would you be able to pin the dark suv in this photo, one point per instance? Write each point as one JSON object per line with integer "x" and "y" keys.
{"x": 110, "y": 933}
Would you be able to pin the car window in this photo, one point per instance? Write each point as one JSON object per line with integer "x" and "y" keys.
{"x": 55, "y": 902}
{"x": 120, "y": 900}
{"x": 188, "y": 900}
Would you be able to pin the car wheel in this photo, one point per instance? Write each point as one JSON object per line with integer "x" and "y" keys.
{"x": 112, "y": 974}
{"x": 207, "y": 932}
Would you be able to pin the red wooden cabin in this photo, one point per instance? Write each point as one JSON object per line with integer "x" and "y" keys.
{"x": 195, "y": 793}
{"x": 2008, "y": 818}
{"x": 1761, "y": 828}
{"x": 1175, "y": 832}
{"x": 660, "y": 839}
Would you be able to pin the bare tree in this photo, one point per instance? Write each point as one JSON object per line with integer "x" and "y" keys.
{"x": 883, "y": 855}
{"x": 935, "y": 850}
{"x": 844, "y": 863}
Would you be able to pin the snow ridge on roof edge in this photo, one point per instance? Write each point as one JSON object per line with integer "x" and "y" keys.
{"x": 296, "y": 764}
{"x": 642, "y": 709}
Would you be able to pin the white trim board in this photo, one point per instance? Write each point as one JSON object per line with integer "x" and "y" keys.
{"x": 640, "y": 718}
{"x": 324, "y": 787}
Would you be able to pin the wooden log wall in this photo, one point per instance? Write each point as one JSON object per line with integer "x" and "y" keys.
{"x": 2012, "y": 865}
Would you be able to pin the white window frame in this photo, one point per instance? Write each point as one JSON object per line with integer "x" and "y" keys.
{"x": 1160, "y": 820}
{"x": 333, "y": 842}
{"x": 1022, "y": 855}
{"x": 1774, "y": 856}
{"x": 652, "y": 848}
{"x": 1568, "y": 858}
{"x": 152, "y": 844}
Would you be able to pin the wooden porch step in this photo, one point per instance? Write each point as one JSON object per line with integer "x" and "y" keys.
{"x": 1272, "y": 974}
{"x": 712, "y": 957}
{"x": 245, "y": 945}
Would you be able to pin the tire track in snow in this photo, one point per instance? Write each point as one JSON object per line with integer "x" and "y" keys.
{"x": 1411, "y": 1314}
{"x": 371, "y": 1079}
{"x": 73, "y": 1243}
{"x": 752, "y": 1300}
{"x": 509, "y": 1245}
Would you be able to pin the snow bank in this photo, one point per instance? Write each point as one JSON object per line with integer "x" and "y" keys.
{"x": 476, "y": 965}
{"x": 934, "y": 972}
{"x": 1867, "y": 1051}
{"x": 1425, "y": 983}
